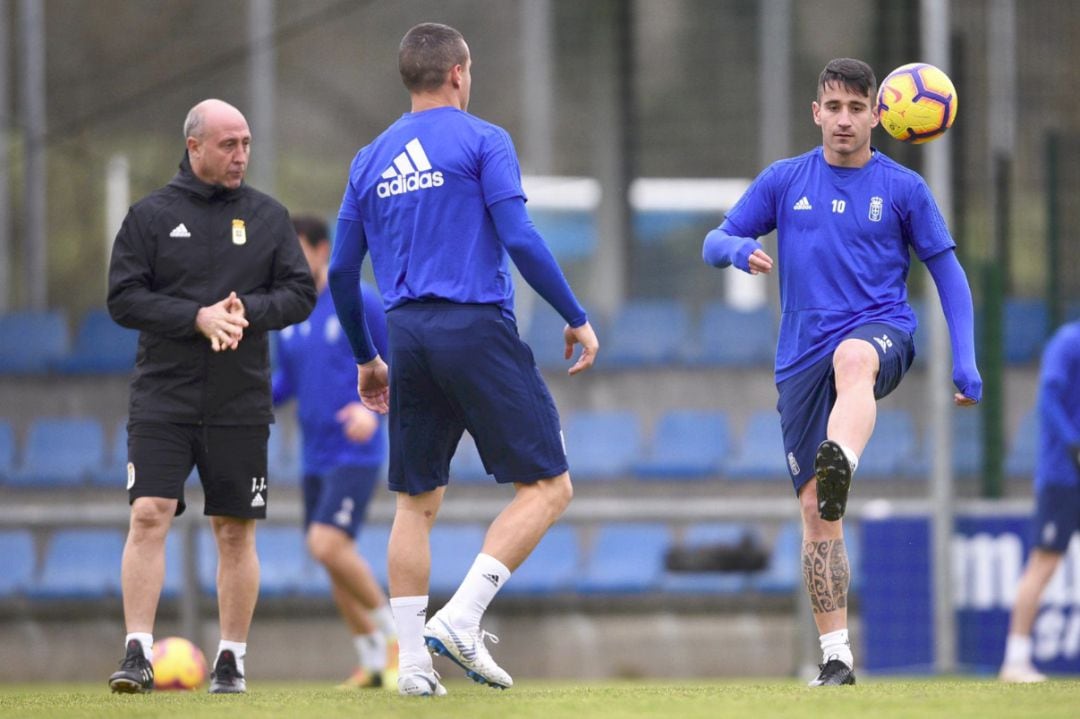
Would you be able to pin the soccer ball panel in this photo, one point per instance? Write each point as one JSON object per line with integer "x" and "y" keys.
{"x": 178, "y": 664}
{"x": 917, "y": 103}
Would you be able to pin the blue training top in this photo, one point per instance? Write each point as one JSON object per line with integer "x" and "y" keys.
{"x": 1059, "y": 409}
{"x": 844, "y": 236}
{"x": 315, "y": 365}
{"x": 422, "y": 199}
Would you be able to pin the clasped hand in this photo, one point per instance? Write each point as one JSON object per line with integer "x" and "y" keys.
{"x": 223, "y": 323}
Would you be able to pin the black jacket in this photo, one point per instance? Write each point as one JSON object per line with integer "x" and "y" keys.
{"x": 186, "y": 246}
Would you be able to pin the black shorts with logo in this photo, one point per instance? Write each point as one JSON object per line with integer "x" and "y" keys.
{"x": 231, "y": 461}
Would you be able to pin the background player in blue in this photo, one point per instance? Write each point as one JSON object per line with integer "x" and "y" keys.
{"x": 846, "y": 217}
{"x": 1057, "y": 494}
{"x": 437, "y": 198}
{"x": 344, "y": 446}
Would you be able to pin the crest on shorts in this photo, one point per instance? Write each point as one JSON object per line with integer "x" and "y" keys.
{"x": 239, "y": 234}
{"x": 131, "y": 475}
{"x": 793, "y": 464}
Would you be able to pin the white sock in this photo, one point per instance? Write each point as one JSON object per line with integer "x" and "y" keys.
{"x": 144, "y": 638}
{"x": 483, "y": 581}
{"x": 835, "y": 645}
{"x": 239, "y": 649}
{"x": 371, "y": 650}
{"x": 852, "y": 458}
{"x": 384, "y": 620}
{"x": 1018, "y": 650}
{"x": 410, "y": 615}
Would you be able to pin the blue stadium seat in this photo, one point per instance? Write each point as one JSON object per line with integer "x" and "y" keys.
{"x": 30, "y": 342}
{"x": 1027, "y": 327}
{"x": 372, "y": 544}
{"x": 626, "y": 558}
{"x": 552, "y": 567}
{"x": 466, "y": 465}
{"x": 61, "y": 452}
{"x": 967, "y": 440}
{"x": 543, "y": 332}
{"x": 893, "y": 448}
{"x": 705, "y": 535}
{"x": 1024, "y": 447}
{"x": 174, "y": 565}
{"x": 283, "y": 455}
{"x": 646, "y": 332}
{"x": 687, "y": 444}
{"x": 17, "y": 560}
{"x": 81, "y": 564}
{"x": 602, "y": 444}
{"x": 207, "y": 549}
{"x": 101, "y": 347}
{"x": 732, "y": 337}
{"x": 453, "y": 549}
{"x": 113, "y": 472}
{"x": 7, "y": 450}
{"x": 784, "y": 573}
{"x": 284, "y": 569}
{"x": 761, "y": 451}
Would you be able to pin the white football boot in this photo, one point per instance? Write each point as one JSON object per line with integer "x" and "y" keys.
{"x": 420, "y": 684}
{"x": 467, "y": 650}
{"x": 1021, "y": 674}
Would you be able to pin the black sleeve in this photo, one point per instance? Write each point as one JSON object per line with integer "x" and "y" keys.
{"x": 291, "y": 297}
{"x": 132, "y": 301}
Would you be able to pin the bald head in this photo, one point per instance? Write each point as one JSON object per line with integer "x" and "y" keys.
{"x": 218, "y": 143}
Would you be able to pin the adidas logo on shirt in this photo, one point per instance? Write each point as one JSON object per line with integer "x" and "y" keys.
{"x": 410, "y": 172}
{"x": 802, "y": 204}
{"x": 180, "y": 231}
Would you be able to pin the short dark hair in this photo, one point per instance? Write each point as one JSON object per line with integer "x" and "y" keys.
{"x": 854, "y": 75}
{"x": 311, "y": 230}
{"x": 427, "y": 53}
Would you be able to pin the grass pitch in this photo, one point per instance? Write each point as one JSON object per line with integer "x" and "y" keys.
{"x": 749, "y": 699}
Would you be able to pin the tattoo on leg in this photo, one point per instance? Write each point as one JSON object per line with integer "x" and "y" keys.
{"x": 826, "y": 574}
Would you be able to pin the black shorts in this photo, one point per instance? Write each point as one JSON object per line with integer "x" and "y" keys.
{"x": 231, "y": 461}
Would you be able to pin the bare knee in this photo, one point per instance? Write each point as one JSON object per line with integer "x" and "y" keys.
{"x": 326, "y": 543}
{"x": 234, "y": 536}
{"x": 814, "y": 527}
{"x": 555, "y": 493}
{"x": 854, "y": 362}
{"x": 151, "y": 518}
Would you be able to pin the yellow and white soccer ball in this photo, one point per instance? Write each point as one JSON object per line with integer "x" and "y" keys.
{"x": 917, "y": 103}
{"x": 178, "y": 664}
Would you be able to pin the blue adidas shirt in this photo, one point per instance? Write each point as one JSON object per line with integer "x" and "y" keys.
{"x": 421, "y": 191}
{"x": 315, "y": 365}
{"x": 1059, "y": 409}
{"x": 844, "y": 237}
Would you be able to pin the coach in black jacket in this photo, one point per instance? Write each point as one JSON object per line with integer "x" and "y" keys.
{"x": 203, "y": 267}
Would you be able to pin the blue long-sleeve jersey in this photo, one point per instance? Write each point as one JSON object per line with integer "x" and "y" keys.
{"x": 1059, "y": 409}
{"x": 437, "y": 200}
{"x": 316, "y": 366}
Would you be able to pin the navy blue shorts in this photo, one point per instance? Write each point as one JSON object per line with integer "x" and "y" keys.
{"x": 807, "y": 398}
{"x": 339, "y": 497}
{"x": 1057, "y": 516}
{"x": 455, "y": 367}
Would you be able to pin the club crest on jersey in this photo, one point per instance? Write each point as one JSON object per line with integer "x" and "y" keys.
{"x": 239, "y": 234}
{"x": 411, "y": 171}
{"x": 876, "y": 205}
